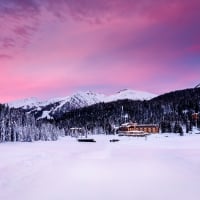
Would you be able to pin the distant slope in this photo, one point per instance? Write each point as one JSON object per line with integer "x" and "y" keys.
{"x": 24, "y": 103}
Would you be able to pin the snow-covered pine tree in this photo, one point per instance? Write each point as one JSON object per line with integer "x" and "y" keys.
{"x": 16, "y": 125}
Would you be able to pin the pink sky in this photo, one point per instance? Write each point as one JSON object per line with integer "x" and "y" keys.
{"x": 53, "y": 48}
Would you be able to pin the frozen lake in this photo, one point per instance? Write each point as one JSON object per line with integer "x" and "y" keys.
{"x": 159, "y": 168}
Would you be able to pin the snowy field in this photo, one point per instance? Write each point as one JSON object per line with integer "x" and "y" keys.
{"x": 159, "y": 168}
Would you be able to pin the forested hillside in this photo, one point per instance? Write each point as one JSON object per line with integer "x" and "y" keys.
{"x": 170, "y": 111}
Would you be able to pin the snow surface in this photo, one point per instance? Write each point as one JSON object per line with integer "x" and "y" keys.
{"x": 156, "y": 168}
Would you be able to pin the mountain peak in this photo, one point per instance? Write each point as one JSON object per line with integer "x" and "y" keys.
{"x": 123, "y": 90}
{"x": 89, "y": 97}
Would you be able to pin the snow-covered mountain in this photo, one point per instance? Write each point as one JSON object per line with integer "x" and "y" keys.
{"x": 79, "y": 99}
{"x": 130, "y": 94}
{"x": 25, "y": 103}
{"x": 58, "y": 106}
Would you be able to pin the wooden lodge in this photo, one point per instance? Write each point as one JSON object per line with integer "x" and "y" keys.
{"x": 134, "y": 128}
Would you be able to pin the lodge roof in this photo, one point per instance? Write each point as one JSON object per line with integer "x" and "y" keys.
{"x": 138, "y": 125}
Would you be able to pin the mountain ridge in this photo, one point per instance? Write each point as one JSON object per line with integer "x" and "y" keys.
{"x": 56, "y": 106}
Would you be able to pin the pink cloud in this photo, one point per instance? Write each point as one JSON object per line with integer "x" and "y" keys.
{"x": 4, "y": 56}
{"x": 60, "y": 46}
